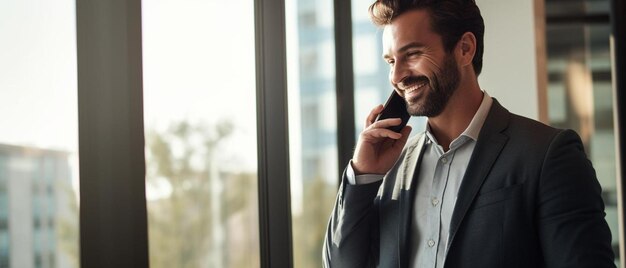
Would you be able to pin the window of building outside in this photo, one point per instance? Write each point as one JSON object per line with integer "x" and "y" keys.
{"x": 39, "y": 137}
{"x": 580, "y": 93}
{"x": 200, "y": 125}
{"x": 312, "y": 124}
{"x": 371, "y": 73}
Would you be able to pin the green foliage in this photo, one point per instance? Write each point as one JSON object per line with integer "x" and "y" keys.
{"x": 182, "y": 223}
{"x": 310, "y": 227}
{"x": 67, "y": 229}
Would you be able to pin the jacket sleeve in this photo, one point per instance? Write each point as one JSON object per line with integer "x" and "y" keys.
{"x": 570, "y": 209}
{"x": 352, "y": 232}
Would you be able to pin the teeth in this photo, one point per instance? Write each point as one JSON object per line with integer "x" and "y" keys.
{"x": 413, "y": 88}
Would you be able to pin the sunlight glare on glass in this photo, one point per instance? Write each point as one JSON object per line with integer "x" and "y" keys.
{"x": 207, "y": 56}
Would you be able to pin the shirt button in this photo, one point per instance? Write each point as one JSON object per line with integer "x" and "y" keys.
{"x": 435, "y": 201}
{"x": 444, "y": 160}
{"x": 431, "y": 243}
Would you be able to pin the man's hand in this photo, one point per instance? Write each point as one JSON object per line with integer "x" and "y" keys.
{"x": 378, "y": 148}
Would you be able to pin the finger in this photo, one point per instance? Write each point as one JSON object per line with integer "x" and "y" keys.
{"x": 398, "y": 144}
{"x": 385, "y": 123}
{"x": 405, "y": 135}
{"x": 378, "y": 133}
{"x": 373, "y": 114}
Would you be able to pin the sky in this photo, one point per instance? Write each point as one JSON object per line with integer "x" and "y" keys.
{"x": 38, "y": 74}
{"x": 199, "y": 66}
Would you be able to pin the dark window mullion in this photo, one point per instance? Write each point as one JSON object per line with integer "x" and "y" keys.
{"x": 113, "y": 216}
{"x": 273, "y": 138}
{"x": 344, "y": 83}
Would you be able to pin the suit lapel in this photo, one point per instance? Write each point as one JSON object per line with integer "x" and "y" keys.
{"x": 488, "y": 147}
{"x": 408, "y": 167}
{"x": 406, "y": 197}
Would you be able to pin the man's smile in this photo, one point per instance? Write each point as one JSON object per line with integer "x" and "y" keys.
{"x": 413, "y": 90}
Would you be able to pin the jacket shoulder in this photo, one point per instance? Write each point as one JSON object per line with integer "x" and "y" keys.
{"x": 518, "y": 127}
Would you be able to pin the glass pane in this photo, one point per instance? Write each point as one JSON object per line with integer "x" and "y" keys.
{"x": 39, "y": 137}
{"x": 580, "y": 93}
{"x": 371, "y": 79}
{"x": 312, "y": 123}
{"x": 200, "y": 124}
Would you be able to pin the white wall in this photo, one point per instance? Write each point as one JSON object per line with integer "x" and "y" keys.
{"x": 509, "y": 64}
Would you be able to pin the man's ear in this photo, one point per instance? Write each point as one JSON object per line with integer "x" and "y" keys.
{"x": 466, "y": 48}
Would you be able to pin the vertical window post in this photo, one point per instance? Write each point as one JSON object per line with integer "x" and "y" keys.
{"x": 344, "y": 83}
{"x": 113, "y": 221}
{"x": 273, "y": 135}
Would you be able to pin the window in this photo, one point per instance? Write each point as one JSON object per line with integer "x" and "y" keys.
{"x": 38, "y": 141}
{"x": 313, "y": 125}
{"x": 200, "y": 125}
{"x": 201, "y": 130}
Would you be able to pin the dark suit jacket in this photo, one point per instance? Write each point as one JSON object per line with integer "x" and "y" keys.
{"x": 529, "y": 198}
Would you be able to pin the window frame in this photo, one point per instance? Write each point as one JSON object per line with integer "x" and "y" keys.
{"x": 113, "y": 215}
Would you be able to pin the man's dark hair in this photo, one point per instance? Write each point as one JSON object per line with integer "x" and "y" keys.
{"x": 449, "y": 18}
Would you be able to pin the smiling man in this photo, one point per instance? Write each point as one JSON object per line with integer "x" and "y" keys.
{"x": 481, "y": 187}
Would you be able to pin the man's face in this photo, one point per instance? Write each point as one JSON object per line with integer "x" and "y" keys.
{"x": 420, "y": 69}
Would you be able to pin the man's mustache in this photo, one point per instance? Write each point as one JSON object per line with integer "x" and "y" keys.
{"x": 412, "y": 81}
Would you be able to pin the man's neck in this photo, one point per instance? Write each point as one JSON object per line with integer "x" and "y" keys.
{"x": 456, "y": 116}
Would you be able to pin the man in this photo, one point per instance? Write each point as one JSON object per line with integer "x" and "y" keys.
{"x": 481, "y": 187}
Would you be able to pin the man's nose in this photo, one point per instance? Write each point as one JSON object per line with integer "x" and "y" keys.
{"x": 398, "y": 73}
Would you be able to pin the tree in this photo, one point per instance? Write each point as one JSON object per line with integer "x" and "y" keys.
{"x": 193, "y": 207}
{"x": 188, "y": 223}
{"x": 310, "y": 226}
{"x": 67, "y": 227}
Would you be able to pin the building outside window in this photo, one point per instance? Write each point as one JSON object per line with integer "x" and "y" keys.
{"x": 39, "y": 137}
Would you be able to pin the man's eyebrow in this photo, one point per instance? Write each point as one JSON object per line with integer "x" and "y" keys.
{"x": 405, "y": 48}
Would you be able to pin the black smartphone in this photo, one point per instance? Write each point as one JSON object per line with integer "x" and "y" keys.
{"x": 395, "y": 107}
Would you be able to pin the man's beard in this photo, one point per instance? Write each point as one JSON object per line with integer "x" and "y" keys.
{"x": 441, "y": 86}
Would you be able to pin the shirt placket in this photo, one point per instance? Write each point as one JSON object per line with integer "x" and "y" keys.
{"x": 434, "y": 212}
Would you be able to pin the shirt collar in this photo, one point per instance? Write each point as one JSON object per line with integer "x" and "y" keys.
{"x": 474, "y": 127}
{"x": 478, "y": 120}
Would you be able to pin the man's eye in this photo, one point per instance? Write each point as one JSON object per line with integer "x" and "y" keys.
{"x": 390, "y": 62}
{"x": 413, "y": 53}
